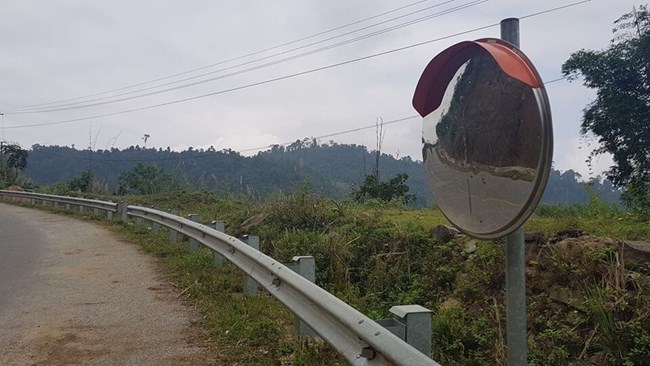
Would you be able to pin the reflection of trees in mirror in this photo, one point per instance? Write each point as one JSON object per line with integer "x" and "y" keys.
{"x": 492, "y": 121}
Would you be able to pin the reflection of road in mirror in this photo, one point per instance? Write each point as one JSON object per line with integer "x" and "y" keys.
{"x": 477, "y": 201}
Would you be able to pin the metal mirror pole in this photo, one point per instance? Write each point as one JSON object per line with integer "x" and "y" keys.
{"x": 515, "y": 261}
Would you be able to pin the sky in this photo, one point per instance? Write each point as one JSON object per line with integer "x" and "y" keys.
{"x": 65, "y": 54}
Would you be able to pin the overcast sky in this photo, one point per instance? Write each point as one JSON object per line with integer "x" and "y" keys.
{"x": 62, "y": 49}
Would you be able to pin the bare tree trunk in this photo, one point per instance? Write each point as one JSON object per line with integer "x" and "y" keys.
{"x": 380, "y": 133}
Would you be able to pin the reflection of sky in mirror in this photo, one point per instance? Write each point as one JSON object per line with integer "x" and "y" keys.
{"x": 429, "y": 135}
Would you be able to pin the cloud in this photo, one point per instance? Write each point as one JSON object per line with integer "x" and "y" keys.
{"x": 65, "y": 49}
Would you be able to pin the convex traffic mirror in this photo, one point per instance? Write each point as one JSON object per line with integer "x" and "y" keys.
{"x": 487, "y": 135}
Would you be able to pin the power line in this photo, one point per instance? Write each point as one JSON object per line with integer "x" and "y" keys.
{"x": 231, "y": 59}
{"x": 289, "y": 76}
{"x": 268, "y": 81}
{"x": 70, "y": 106}
{"x": 336, "y": 133}
{"x": 555, "y": 80}
{"x": 206, "y": 155}
{"x": 290, "y": 142}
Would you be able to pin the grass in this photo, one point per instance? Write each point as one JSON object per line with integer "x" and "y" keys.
{"x": 588, "y": 301}
{"x": 248, "y": 329}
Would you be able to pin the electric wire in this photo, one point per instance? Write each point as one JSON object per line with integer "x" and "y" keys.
{"x": 289, "y": 76}
{"x": 228, "y": 60}
{"x": 76, "y": 105}
{"x": 208, "y": 155}
{"x": 555, "y": 80}
{"x": 259, "y": 83}
{"x": 205, "y": 155}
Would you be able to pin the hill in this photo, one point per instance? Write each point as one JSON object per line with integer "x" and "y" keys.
{"x": 329, "y": 169}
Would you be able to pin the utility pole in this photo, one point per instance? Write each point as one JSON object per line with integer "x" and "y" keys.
{"x": 516, "y": 329}
{"x": 2, "y": 149}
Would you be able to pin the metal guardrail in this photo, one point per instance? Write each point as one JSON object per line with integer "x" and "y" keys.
{"x": 100, "y": 205}
{"x": 359, "y": 339}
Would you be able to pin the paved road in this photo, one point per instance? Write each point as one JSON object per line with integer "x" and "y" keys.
{"x": 20, "y": 245}
{"x": 71, "y": 294}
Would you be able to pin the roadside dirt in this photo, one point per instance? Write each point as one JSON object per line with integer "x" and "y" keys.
{"x": 93, "y": 300}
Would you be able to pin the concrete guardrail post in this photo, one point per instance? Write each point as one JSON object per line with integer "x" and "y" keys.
{"x": 95, "y": 212}
{"x": 81, "y": 209}
{"x": 251, "y": 286}
{"x": 173, "y": 234}
{"x": 217, "y": 258}
{"x": 109, "y": 215}
{"x": 411, "y": 323}
{"x": 306, "y": 267}
{"x": 155, "y": 227}
{"x": 194, "y": 244}
{"x": 123, "y": 211}
{"x": 67, "y": 207}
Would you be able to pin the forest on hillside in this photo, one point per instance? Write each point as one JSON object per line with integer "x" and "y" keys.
{"x": 330, "y": 169}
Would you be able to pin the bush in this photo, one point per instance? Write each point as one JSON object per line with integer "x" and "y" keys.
{"x": 394, "y": 189}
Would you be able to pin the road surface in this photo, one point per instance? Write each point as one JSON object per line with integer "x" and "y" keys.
{"x": 72, "y": 294}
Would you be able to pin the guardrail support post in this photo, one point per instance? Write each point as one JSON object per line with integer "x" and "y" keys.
{"x": 252, "y": 241}
{"x": 32, "y": 202}
{"x": 44, "y": 203}
{"x": 411, "y": 323}
{"x": 138, "y": 221}
{"x": 173, "y": 234}
{"x": 96, "y": 212}
{"x": 216, "y": 257}
{"x": 122, "y": 209}
{"x": 67, "y": 207}
{"x": 194, "y": 244}
{"x": 155, "y": 227}
{"x": 81, "y": 209}
{"x": 306, "y": 267}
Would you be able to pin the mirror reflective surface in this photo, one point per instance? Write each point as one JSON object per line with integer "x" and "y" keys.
{"x": 487, "y": 149}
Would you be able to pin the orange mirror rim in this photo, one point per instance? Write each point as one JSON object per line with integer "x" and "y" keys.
{"x": 438, "y": 73}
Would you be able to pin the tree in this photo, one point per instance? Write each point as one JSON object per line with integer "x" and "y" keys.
{"x": 394, "y": 189}
{"x": 13, "y": 160}
{"x": 82, "y": 183}
{"x": 619, "y": 115}
{"x": 146, "y": 179}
